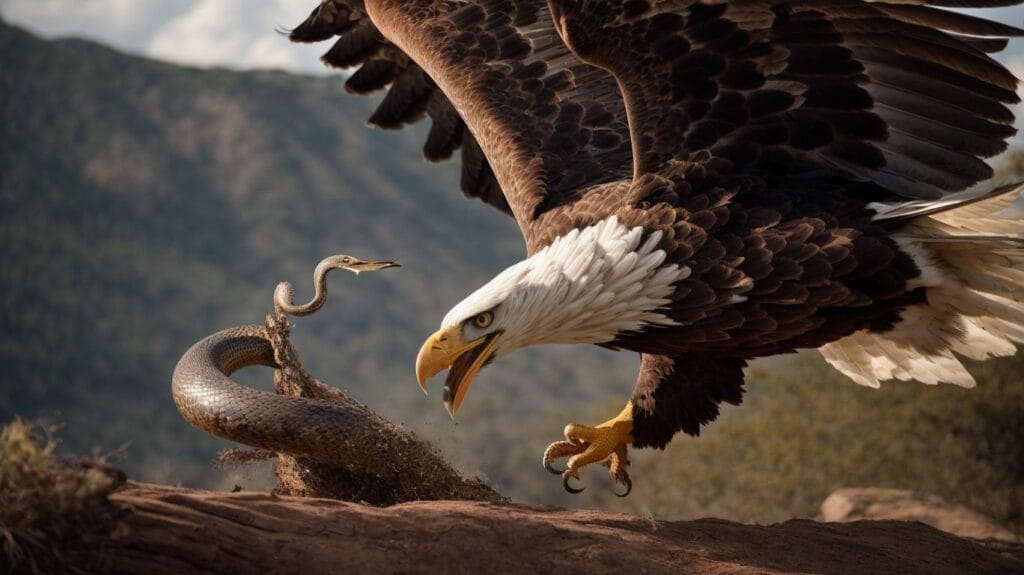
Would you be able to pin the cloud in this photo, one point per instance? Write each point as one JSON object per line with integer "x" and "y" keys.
{"x": 231, "y": 32}
{"x": 125, "y": 23}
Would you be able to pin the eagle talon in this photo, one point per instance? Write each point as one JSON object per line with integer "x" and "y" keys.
{"x": 618, "y": 469}
{"x": 552, "y": 469}
{"x": 565, "y": 482}
{"x": 584, "y": 445}
{"x": 560, "y": 449}
{"x": 629, "y": 486}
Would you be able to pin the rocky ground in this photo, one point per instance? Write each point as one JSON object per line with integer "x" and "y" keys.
{"x": 854, "y": 504}
{"x": 172, "y": 530}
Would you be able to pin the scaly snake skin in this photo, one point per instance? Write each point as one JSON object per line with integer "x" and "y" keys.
{"x": 210, "y": 400}
{"x": 369, "y": 458}
{"x": 303, "y": 427}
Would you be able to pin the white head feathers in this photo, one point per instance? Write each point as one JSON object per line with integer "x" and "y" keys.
{"x": 586, "y": 287}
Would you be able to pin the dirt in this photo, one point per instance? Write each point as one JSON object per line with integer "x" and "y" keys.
{"x": 173, "y": 530}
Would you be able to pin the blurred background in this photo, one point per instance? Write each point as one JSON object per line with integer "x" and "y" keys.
{"x": 162, "y": 171}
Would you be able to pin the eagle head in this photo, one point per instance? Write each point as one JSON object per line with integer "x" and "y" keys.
{"x": 590, "y": 285}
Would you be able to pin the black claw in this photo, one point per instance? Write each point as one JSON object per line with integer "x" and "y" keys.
{"x": 629, "y": 487}
{"x": 570, "y": 488}
{"x": 552, "y": 469}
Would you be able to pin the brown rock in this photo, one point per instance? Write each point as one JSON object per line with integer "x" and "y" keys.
{"x": 853, "y": 504}
{"x": 173, "y": 530}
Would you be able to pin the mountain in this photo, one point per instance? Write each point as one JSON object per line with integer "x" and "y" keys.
{"x": 145, "y": 205}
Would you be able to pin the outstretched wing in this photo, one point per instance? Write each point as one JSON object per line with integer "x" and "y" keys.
{"x": 411, "y": 94}
{"x": 549, "y": 125}
{"x": 900, "y": 93}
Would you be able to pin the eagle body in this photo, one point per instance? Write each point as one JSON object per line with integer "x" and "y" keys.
{"x": 720, "y": 279}
{"x": 706, "y": 181}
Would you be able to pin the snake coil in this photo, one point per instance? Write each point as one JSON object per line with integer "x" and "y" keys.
{"x": 210, "y": 400}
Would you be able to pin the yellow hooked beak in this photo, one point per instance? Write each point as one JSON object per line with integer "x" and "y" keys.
{"x": 446, "y": 349}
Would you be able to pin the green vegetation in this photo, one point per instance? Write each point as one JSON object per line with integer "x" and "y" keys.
{"x": 144, "y": 206}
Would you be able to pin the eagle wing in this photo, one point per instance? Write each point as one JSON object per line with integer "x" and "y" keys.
{"x": 549, "y": 126}
{"x": 411, "y": 95}
{"x": 899, "y": 93}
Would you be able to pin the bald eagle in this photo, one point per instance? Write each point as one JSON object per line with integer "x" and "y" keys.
{"x": 708, "y": 181}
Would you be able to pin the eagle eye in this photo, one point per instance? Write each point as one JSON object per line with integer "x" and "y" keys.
{"x": 483, "y": 320}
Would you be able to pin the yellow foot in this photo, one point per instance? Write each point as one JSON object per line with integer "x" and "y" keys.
{"x": 605, "y": 443}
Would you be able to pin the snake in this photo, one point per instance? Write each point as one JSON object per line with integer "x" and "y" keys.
{"x": 210, "y": 400}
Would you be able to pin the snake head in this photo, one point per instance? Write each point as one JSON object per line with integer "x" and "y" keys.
{"x": 283, "y": 304}
{"x": 356, "y": 265}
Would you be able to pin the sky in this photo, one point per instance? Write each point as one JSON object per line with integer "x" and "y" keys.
{"x": 233, "y": 33}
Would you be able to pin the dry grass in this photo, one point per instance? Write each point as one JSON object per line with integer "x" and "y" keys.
{"x": 46, "y": 502}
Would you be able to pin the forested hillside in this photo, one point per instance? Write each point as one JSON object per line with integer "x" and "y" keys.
{"x": 144, "y": 205}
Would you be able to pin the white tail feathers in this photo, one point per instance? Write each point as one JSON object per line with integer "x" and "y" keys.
{"x": 972, "y": 263}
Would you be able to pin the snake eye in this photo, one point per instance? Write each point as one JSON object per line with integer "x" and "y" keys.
{"x": 483, "y": 320}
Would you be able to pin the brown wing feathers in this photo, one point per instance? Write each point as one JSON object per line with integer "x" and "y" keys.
{"x": 411, "y": 94}
{"x": 551, "y": 125}
{"x": 899, "y": 93}
{"x": 884, "y": 91}
{"x": 944, "y": 101}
